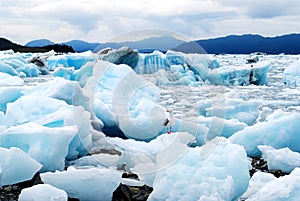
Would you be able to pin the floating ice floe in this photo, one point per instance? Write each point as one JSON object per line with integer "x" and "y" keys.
{"x": 282, "y": 188}
{"x": 123, "y": 55}
{"x": 240, "y": 75}
{"x": 280, "y": 159}
{"x": 16, "y": 65}
{"x": 197, "y": 63}
{"x": 48, "y": 146}
{"x": 291, "y": 74}
{"x": 230, "y": 108}
{"x": 217, "y": 171}
{"x": 257, "y": 181}
{"x": 177, "y": 75}
{"x": 8, "y": 80}
{"x": 16, "y": 166}
{"x": 221, "y": 127}
{"x": 75, "y": 60}
{"x": 44, "y": 192}
{"x": 9, "y": 94}
{"x": 50, "y": 112}
{"x": 280, "y": 130}
{"x": 85, "y": 184}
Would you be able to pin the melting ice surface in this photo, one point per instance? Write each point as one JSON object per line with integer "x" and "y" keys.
{"x": 65, "y": 118}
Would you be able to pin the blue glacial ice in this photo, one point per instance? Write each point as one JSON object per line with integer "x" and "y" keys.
{"x": 75, "y": 60}
{"x": 197, "y": 63}
{"x": 230, "y": 108}
{"x": 44, "y": 192}
{"x": 210, "y": 173}
{"x": 282, "y": 188}
{"x": 9, "y": 94}
{"x": 291, "y": 74}
{"x": 280, "y": 159}
{"x": 16, "y": 65}
{"x": 16, "y": 166}
{"x": 221, "y": 127}
{"x": 281, "y": 129}
{"x": 240, "y": 75}
{"x": 51, "y": 112}
{"x": 85, "y": 184}
{"x": 257, "y": 181}
{"x": 48, "y": 146}
{"x": 8, "y": 80}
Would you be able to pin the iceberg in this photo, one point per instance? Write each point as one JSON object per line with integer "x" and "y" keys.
{"x": 280, "y": 130}
{"x": 274, "y": 190}
{"x": 16, "y": 65}
{"x": 217, "y": 171}
{"x": 50, "y": 112}
{"x": 8, "y": 80}
{"x": 257, "y": 182}
{"x": 221, "y": 127}
{"x": 231, "y": 108}
{"x": 177, "y": 75}
{"x": 123, "y": 55}
{"x": 44, "y": 192}
{"x": 75, "y": 60}
{"x": 240, "y": 75}
{"x": 291, "y": 74}
{"x": 48, "y": 146}
{"x": 280, "y": 159}
{"x": 151, "y": 63}
{"x": 61, "y": 89}
{"x": 85, "y": 184}
{"x": 16, "y": 166}
{"x": 8, "y": 95}
{"x": 97, "y": 160}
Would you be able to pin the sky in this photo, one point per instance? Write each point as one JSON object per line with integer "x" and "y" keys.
{"x": 108, "y": 20}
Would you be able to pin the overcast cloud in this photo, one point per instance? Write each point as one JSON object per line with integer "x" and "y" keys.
{"x": 100, "y": 21}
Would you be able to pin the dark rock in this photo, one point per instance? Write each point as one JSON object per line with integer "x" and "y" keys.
{"x": 123, "y": 55}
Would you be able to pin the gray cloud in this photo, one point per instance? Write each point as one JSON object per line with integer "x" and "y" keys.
{"x": 101, "y": 20}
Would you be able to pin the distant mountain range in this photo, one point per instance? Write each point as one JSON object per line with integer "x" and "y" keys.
{"x": 245, "y": 44}
{"x": 163, "y": 43}
{"x": 7, "y": 44}
{"x": 233, "y": 44}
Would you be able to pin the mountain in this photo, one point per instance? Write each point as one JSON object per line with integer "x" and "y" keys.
{"x": 7, "y": 44}
{"x": 162, "y": 43}
{"x": 245, "y": 44}
{"x": 39, "y": 43}
{"x": 82, "y": 46}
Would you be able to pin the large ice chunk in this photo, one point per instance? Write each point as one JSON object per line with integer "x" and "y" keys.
{"x": 61, "y": 89}
{"x": 231, "y": 108}
{"x": 257, "y": 181}
{"x": 8, "y": 80}
{"x": 280, "y": 159}
{"x": 16, "y": 166}
{"x": 221, "y": 127}
{"x": 16, "y": 65}
{"x": 48, "y": 146}
{"x": 85, "y": 184}
{"x": 281, "y": 129}
{"x": 43, "y": 192}
{"x": 9, "y": 94}
{"x": 76, "y": 60}
{"x": 123, "y": 55}
{"x": 177, "y": 75}
{"x": 291, "y": 75}
{"x": 240, "y": 75}
{"x": 52, "y": 112}
{"x": 217, "y": 171}
{"x": 274, "y": 190}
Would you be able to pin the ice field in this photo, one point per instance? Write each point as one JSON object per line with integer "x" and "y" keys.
{"x": 82, "y": 120}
